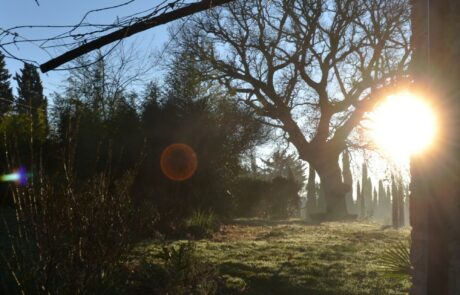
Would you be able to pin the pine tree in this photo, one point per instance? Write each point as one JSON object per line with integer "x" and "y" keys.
{"x": 31, "y": 100}
{"x": 6, "y": 93}
{"x": 30, "y": 90}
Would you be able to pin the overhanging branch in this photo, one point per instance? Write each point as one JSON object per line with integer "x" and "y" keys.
{"x": 129, "y": 31}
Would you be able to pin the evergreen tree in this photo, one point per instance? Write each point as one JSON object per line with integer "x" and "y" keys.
{"x": 281, "y": 164}
{"x": 375, "y": 201}
{"x": 366, "y": 192}
{"x": 395, "y": 203}
{"x": 360, "y": 200}
{"x": 400, "y": 202}
{"x": 382, "y": 199}
{"x": 30, "y": 90}
{"x": 6, "y": 93}
{"x": 311, "y": 190}
{"x": 347, "y": 179}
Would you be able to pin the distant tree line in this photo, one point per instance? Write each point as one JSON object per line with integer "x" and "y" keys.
{"x": 387, "y": 203}
{"x": 96, "y": 125}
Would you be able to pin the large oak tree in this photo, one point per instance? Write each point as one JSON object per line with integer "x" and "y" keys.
{"x": 312, "y": 68}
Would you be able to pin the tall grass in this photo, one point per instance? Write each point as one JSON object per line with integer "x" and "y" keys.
{"x": 201, "y": 223}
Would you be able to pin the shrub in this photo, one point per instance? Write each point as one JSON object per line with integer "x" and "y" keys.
{"x": 395, "y": 261}
{"x": 68, "y": 237}
{"x": 179, "y": 271}
{"x": 201, "y": 224}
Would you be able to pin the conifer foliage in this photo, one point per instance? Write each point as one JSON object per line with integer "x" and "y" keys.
{"x": 6, "y": 93}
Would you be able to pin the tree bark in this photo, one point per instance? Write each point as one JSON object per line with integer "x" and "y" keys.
{"x": 334, "y": 189}
{"x": 435, "y": 199}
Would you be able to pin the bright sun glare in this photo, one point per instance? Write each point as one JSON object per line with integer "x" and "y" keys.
{"x": 403, "y": 125}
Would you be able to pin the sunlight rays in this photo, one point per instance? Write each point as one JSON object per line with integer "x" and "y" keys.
{"x": 403, "y": 125}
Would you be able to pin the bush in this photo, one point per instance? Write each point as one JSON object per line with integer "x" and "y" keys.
{"x": 179, "y": 271}
{"x": 201, "y": 224}
{"x": 68, "y": 237}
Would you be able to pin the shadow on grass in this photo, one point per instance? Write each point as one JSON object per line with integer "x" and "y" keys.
{"x": 262, "y": 281}
{"x": 268, "y": 222}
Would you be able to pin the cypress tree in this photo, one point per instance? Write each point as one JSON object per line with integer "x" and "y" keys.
{"x": 360, "y": 199}
{"x": 381, "y": 210}
{"x": 375, "y": 201}
{"x": 400, "y": 202}
{"x": 395, "y": 203}
{"x": 364, "y": 189}
{"x": 347, "y": 179}
{"x": 6, "y": 93}
{"x": 366, "y": 192}
{"x": 311, "y": 190}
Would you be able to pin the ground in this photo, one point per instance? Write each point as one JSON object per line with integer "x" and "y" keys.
{"x": 292, "y": 257}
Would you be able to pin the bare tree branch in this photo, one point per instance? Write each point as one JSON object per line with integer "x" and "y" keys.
{"x": 129, "y": 31}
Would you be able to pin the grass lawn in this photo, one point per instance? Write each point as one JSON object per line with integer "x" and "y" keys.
{"x": 292, "y": 257}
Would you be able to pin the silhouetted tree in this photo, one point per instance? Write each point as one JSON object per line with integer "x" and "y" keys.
{"x": 312, "y": 195}
{"x": 348, "y": 179}
{"x": 286, "y": 57}
{"x": 280, "y": 164}
{"x": 30, "y": 91}
{"x": 6, "y": 93}
{"x": 360, "y": 200}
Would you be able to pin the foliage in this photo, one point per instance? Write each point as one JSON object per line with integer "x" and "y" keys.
{"x": 201, "y": 224}
{"x": 67, "y": 237}
{"x": 248, "y": 193}
{"x": 278, "y": 198}
{"x": 176, "y": 269}
{"x": 283, "y": 198}
{"x": 281, "y": 164}
{"x": 6, "y": 93}
{"x": 395, "y": 261}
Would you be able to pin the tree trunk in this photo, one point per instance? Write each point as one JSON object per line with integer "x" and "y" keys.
{"x": 435, "y": 199}
{"x": 334, "y": 189}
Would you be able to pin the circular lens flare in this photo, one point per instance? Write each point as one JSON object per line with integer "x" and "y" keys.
{"x": 403, "y": 125}
{"x": 178, "y": 162}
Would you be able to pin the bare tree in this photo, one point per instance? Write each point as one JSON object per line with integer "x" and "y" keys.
{"x": 312, "y": 68}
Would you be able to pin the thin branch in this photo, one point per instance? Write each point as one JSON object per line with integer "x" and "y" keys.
{"x": 129, "y": 31}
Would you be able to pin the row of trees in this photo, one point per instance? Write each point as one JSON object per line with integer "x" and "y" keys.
{"x": 97, "y": 125}
{"x": 384, "y": 203}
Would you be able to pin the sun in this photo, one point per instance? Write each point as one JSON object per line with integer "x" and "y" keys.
{"x": 403, "y": 125}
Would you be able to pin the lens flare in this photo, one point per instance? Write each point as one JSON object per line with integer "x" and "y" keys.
{"x": 404, "y": 125}
{"x": 178, "y": 162}
{"x": 20, "y": 176}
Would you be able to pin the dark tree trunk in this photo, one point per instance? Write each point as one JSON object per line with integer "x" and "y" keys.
{"x": 435, "y": 196}
{"x": 334, "y": 189}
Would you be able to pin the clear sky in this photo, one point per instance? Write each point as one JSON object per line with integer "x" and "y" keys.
{"x": 67, "y": 12}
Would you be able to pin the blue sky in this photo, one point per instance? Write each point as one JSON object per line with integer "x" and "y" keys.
{"x": 67, "y": 12}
